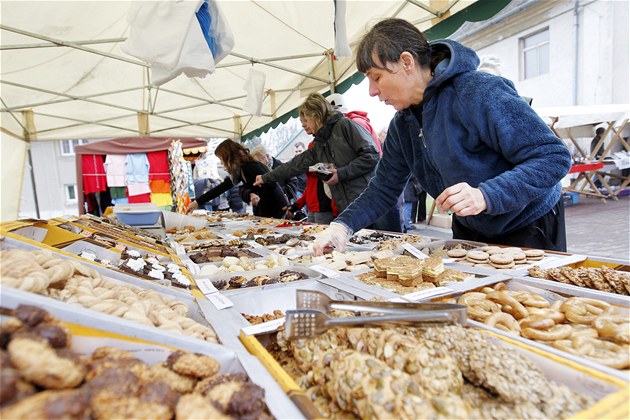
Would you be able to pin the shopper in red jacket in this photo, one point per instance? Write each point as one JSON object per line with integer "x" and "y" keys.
{"x": 321, "y": 208}
{"x": 360, "y": 117}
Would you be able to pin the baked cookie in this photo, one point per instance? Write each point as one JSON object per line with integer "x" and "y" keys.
{"x": 98, "y": 366}
{"x": 519, "y": 257}
{"x": 194, "y": 406}
{"x": 57, "y": 336}
{"x": 179, "y": 383}
{"x": 477, "y": 257}
{"x": 534, "y": 254}
{"x": 502, "y": 261}
{"x": 234, "y": 395}
{"x": 40, "y": 364}
{"x": 112, "y": 352}
{"x": 66, "y": 404}
{"x": 457, "y": 253}
{"x": 192, "y": 364}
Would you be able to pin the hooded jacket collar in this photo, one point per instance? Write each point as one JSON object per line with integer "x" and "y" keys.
{"x": 461, "y": 60}
{"x": 324, "y": 133}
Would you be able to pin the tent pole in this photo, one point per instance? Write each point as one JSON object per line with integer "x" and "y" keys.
{"x": 30, "y": 164}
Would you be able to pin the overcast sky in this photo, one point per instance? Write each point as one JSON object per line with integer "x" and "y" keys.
{"x": 358, "y": 98}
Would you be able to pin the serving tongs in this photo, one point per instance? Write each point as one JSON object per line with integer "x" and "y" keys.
{"x": 311, "y": 319}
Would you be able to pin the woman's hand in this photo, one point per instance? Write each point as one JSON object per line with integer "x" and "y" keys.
{"x": 254, "y": 198}
{"x": 462, "y": 199}
{"x": 191, "y": 207}
{"x": 334, "y": 179}
{"x": 259, "y": 181}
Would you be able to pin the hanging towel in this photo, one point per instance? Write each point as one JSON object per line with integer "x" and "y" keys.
{"x": 138, "y": 189}
{"x": 159, "y": 186}
{"x": 167, "y": 35}
{"x": 162, "y": 199}
{"x": 255, "y": 87}
{"x": 117, "y": 192}
{"x": 142, "y": 198}
{"x": 342, "y": 48}
{"x": 137, "y": 168}
{"x": 115, "y": 169}
{"x": 94, "y": 179}
{"x": 158, "y": 165}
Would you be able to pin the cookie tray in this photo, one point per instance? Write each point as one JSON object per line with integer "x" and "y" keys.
{"x": 89, "y": 333}
{"x": 228, "y": 322}
{"x": 611, "y": 392}
{"x": 588, "y": 262}
{"x": 523, "y": 284}
{"x": 10, "y": 241}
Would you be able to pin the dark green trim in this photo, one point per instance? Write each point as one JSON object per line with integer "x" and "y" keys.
{"x": 481, "y": 10}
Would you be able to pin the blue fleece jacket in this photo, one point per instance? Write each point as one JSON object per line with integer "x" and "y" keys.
{"x": 475, "y": 129}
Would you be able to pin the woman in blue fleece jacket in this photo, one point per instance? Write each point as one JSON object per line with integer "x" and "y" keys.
{"x": 469, "y": 139}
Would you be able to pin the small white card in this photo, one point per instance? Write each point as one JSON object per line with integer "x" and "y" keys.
{"x": 179, "y": 250}
{"x": 325, "y": 271}
{"x": 265, "y": 327}
{"x": 429, "y": 293}
{"x": 414, "y": 251}
{"x": 206, "y": 286}
{"x": 398, "y": 300}
{"x": 192, "y": 267}
{"x": 255, "y": 244}
{"x": 219, "y": 301}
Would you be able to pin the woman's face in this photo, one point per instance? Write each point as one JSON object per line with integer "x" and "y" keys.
{"x": 399, "y": 87}
{"x": 309, "y": 124}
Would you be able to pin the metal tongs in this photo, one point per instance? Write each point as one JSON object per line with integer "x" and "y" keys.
{"x": 311, "y": 316}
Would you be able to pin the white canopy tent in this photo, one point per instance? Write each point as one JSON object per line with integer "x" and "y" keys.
{"x": 64, "y": 75}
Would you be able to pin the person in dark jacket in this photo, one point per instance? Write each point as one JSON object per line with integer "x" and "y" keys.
{"x": 289, "y": 185}
{"x": 469, "y": 139}
{"x": 267, "y": 200}
{"x": 344, "y": 144}
{"x": 411, "y": 195}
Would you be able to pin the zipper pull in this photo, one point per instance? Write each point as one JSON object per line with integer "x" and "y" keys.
{"x": 421, "y": 136}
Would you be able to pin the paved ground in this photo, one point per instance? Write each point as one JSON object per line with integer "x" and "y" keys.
{"x": 593, "y": 228}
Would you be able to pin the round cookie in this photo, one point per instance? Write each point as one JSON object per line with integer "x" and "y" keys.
{"x": 477, "y": 257}
{"x": 519, "y": 257}
{"x": 192, "y": 364}
{"x": 534, "y": 254}
{"x": 512, "y": 249}
{"x": 457, "y": 253}
{"x": 489, "y": 248}
{"x": 502, "y": 261}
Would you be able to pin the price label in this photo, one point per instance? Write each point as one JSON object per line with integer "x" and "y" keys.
{"x": 255, "y": 244}
{"x": 397, "y": 300}
{"x": 414, "y": 251}
{"x": 86, "y": 233}
{"x": 206, "y": 286}
{"x": 265, "y": 327}
{"x": 192, "y": 267}
{"x": 179, "y": 250}
{"x": 219, "y": 301}
{"x": 429, "y": 293}
{"x": 325, "y": 271}
{"x": 120, "y": 246}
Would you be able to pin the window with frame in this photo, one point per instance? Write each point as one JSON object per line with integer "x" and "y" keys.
{"x": 67, "y": 146}
{"x": 535, "y": 54}
{"x": 71, "y": 193}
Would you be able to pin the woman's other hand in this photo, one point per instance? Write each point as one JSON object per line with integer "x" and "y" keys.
{"x": 254, "y": 198}
{"x": 192, "y": 207}
{"x": 462, "y": 199}
{"x": 259, "y": 181}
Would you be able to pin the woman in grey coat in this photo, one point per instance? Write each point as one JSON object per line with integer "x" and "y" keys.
{"x": 342, "y": 142}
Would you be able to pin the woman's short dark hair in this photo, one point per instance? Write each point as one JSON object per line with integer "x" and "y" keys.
{"x": 388, "y": 39}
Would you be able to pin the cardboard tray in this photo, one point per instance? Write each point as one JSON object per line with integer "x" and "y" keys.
{"x": 12, "y": 241}
{"x": 611, "y": 392}
{"x": 90, "y": 332}
{"x": 551, "y": 296}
